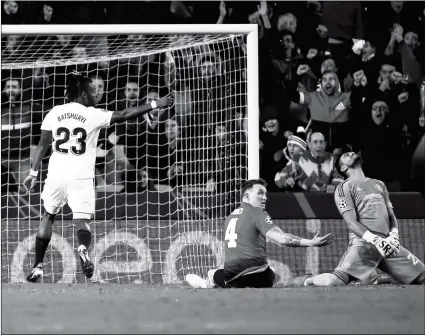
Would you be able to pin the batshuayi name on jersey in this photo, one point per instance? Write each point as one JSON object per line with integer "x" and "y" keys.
{"x": 75, "y": 131}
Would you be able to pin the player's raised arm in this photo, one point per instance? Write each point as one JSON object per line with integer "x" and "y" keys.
{"x": 134, "y": 112}
{"x": 40, "y": 152}
{"x": 276, "y": 234}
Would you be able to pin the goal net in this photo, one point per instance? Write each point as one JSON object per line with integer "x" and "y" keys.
{"x": 163, "y": 185}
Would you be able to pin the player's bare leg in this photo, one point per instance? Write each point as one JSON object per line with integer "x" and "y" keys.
{"x": 84, "y": 239}
{"x": 42, "y": 240}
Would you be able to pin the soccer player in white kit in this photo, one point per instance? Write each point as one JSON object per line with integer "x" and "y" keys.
{"x": 73, "y": 129}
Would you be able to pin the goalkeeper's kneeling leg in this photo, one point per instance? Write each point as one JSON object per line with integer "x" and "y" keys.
{"x": 420, "y": 280}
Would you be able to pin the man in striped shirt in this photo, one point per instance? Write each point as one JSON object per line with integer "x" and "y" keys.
{"x": 311, "y": 170}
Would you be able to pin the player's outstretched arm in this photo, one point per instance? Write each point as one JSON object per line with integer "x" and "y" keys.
{"x": 276, "y": 234}
{"x": 40, "y": 152}
{"x": 134, "y": 112}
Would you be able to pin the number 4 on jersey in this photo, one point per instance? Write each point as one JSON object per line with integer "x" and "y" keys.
{"x": 231, "y": 235}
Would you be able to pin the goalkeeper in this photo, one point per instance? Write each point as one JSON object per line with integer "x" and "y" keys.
{"x": 373, "y": 231}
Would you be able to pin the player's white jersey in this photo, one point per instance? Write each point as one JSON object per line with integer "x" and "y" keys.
{"x": 75, "y": 129}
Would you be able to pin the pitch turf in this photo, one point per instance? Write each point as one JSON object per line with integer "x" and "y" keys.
{"x": 98, "y": 309}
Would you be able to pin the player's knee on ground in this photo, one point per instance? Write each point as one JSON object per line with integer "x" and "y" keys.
{"x": 420, "y": 280}
{"x": 218, "y": 278}
{"x": 337, "y": 278}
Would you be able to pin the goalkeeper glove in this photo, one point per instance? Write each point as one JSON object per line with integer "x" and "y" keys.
{"x": 394, "y": 240}
{"x": 383, "y": 246}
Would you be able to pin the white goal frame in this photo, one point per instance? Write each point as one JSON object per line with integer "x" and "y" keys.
{"x": 251, "y": 30}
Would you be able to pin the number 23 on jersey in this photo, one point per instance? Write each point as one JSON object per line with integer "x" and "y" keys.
{"x": 231, "y": 235}
{"x": 64, "y": 135}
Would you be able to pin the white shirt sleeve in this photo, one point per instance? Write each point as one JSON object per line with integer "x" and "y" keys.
{"x": 101, "y": 117}
{"x": 47, "y": 122}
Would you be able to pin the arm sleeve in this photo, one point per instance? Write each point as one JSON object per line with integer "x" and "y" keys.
{"x": 47, "y": 122}
{"x": 263, "y": 221}
{"x": 101, "y": 117}
{"x": 386, "y": 195}
{"x": 343, "y": 199}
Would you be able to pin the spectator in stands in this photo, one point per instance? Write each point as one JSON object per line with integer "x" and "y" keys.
{"x": 138, "y": 141}
{"x": 46, "y": 15}
{"x": 226, "y": 162}
{"x": 12, "y": 13}
{"x": 296, "y": 145}
{"x": 11, "y": 44}
{"x": 405, "y": 44}
{"x": 311, "y": 170}
{"x": 330, "y": 108}
{"x": 63, "y": 46}
{"x": 174, "y": 158}
{"x": 342, "y": 28}
{"x": 272, "y": 143}
{"x": 106, "y": 163}
{"x": 366, "y": 57}
{"x": 380, "y": 144}
{"x": 20, "y": 128}
{"x": 145, "y": 182}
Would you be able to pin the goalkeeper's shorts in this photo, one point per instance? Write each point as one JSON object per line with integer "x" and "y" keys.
{"x": 362, "y": 258}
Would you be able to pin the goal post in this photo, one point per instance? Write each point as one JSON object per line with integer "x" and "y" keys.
{"x": 130, "y": 241}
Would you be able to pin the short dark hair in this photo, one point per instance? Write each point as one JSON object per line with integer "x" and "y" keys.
{"x": 77, "y": 84}
{"x": 338, "y": 165}
{"x": 344, "y": 150}
{"x": 250, "y": 183}
{"x": 327, "y": 72}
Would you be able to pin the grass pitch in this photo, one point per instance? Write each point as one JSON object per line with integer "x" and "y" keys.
{"x": 100, "y": 309}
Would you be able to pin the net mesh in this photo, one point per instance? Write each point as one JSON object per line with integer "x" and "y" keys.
{"x": 185, "y": 165}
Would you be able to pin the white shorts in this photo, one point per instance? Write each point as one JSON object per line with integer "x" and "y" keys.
{"x": 79, "y": 194}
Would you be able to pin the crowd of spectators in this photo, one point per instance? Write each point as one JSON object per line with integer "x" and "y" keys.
{"x": 332, "y": 75}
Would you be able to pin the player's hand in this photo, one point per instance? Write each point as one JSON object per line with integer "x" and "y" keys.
{"x": 394, "y": 240}
{"x": 166, "y": 101}
{"x": 320, "y": 241}
{"x": 384, "y": 247}
{"x": 29, "y": 183}
{"x": 302, "y": 69}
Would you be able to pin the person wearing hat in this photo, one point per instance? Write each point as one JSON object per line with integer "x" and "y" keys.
{"x": 313, "y": 170}
{"x": 296, "y": 144}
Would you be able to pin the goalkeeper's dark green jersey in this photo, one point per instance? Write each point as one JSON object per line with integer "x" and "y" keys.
{"x": 245, "y": 238}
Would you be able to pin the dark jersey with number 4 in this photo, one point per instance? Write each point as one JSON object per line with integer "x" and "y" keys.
{"x": 245, "y": 239}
